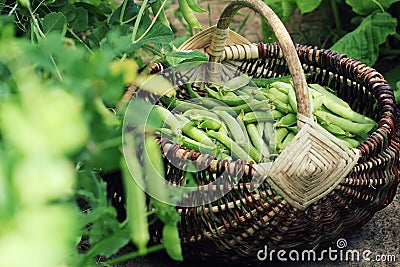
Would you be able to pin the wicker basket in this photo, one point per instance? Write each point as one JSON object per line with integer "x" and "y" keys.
{"x": 295, "y": 207}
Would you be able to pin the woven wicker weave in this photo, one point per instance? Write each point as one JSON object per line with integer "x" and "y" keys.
{"x": 282, "y": 212}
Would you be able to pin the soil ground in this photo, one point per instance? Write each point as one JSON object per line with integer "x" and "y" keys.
{"x": 381, "y": 235}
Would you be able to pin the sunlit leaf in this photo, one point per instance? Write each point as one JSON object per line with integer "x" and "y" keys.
{"x": 363, "y": 43}
{"x": 306, "y": 6}
{"x": 368, "y": 7}
{"x": 55, "y": 22}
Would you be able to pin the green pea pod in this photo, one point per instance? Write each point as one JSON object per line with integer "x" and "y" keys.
{"x": 269, "y": 129}
{"x": 345, "y": 124}
{"x": 334, "y": 129}
{"x": 252, "y": 105}
{"x": 190, "y": 130}
{"x": 189, "y": 143}
{"x": 231, "y": 100}
{"x": 237, "y": 82}
{"x": 194, "y": 113}
{"x": 320, "y": 89}
{"x": 154, "y": 169}
{"x": 317, "y": 102}
{"x": 135, "y": 201}
{"x": 274, "y": 93}
{"x": 188, "y": 15}
{"x": 239, "y": 120}
{"x": 277, "y": 138}
{"x": 237, "y": 151}
{"x": 292, "y": 99}
{"x": 344, "y": 112}
{"x": 260, "y": 129}
{"x": 260, "y": 116}
{"x": 287, "y": 120}
{"x": 195, "y": 6}
{"x": 179, "y": 105}
{"x": 289, "y": 137}
{"x": 172, "y": 241}
{"x": 282, "y": 86}
{"x": 254, "y": 92}
{"x": 266, "y": 82}
{"x": 350, "y": 142}
{"x": 209, "y": 124}
{"x": 192, "y": 93}
{"x": 233, "y": 127}
{"x": 281, "y": 106}
{"x": 169, "y": 119}
{"x": 257, "y": 140}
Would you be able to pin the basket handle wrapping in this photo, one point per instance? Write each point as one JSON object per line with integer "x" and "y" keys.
{"x": 220, "y": 36}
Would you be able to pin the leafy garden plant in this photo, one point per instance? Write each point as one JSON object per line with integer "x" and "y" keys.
{"x": 364, "y": 30}
{"x": 64, "y": 67}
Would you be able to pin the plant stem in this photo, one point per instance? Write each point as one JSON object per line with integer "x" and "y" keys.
{"x": 131, "y": 255}
{"x": 43, "y": 36}
{"x": 152, "y": 23}
{"x": 336, "y": 15}
{"x": 137, "y": 22}
{"x": 122, "y": 14}
{"x": 80, "y": 40}
{"x": 153, "y": 50}
{"x": 379, "y": 5}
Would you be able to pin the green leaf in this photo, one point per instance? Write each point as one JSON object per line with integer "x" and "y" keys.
{"x": 108, "y": 246}
{"x": 125, "y": 13}
{"x": 393, "y": 76}
{"x": 397, "y": 92}
{"x": 158, "y": 34}
{"x": 80, "y": 22}
{"x": 363, "y": 43}
{"x": 140, "y": 112}
{"x": 55, "y": 22}
{"x": 368, "y": 7}
{"x": 284, "y": 9}
{"x": 174, "y": 58}
{"x": 306, "y": 6}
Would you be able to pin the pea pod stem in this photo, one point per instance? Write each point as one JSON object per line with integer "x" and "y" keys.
{"x": 237, "y": 82}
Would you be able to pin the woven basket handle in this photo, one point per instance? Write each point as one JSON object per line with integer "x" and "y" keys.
{"x": 220, "y": 36}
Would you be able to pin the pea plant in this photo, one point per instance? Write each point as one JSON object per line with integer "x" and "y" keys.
{"x": 64, "y": 67}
